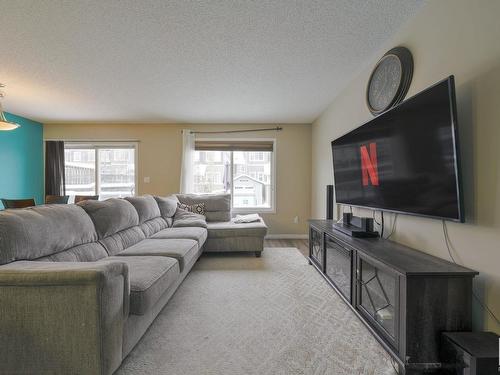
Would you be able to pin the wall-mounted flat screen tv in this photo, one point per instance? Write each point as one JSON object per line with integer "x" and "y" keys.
{"x": 404, "y": 160}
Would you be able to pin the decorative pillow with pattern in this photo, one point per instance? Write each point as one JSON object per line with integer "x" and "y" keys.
{"x": 198, "y": 208}
{"x": 184, "y": 207}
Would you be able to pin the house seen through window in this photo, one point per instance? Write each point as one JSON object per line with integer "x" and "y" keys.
{"x": 247, "y": 175}
{"x": 106, "y": 170}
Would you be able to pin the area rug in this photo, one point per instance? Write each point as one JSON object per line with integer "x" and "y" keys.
{"x": 245, "y": 315}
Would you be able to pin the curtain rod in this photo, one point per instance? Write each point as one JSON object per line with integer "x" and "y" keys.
{"x": 278, "y": 128}
{"x": 93, "y": 140}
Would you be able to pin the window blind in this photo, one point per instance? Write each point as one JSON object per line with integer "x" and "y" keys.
{"x": 221, "y": 145}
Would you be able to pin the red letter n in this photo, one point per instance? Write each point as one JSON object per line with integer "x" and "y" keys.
{"x": 369, "y": 164}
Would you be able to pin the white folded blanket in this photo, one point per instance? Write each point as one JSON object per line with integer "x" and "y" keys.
{"x": 246, "y": 218}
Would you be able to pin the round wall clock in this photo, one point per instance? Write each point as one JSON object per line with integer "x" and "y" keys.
{"x": 390, "y": 80}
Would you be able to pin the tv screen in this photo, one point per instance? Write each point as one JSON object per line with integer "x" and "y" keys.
{"x": 405, "y": 160}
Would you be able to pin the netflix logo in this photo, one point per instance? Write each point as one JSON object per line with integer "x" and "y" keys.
{"x": 369, "y": 169}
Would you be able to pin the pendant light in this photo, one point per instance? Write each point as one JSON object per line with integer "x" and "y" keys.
{"x": 5, "y": 125}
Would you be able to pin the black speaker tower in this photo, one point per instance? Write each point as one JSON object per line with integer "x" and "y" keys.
{"x": 329, "y": 202}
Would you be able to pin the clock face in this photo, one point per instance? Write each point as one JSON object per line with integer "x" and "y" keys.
{"x": 390, "y": 80}
{"x": 384, "y": 84}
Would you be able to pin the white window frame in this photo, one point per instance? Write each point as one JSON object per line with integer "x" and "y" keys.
{"x": 96, "y": 145}
{"x": 252, "y": 158}
{"x": 79, "y": 159}
{"x": 241, "y": 210}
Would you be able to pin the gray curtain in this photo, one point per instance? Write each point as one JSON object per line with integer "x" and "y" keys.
{"x": 54, "y": 168}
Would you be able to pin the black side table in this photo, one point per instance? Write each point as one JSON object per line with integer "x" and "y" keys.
{"x": 475, "y": 353}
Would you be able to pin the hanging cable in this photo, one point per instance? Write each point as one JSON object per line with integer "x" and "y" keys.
{"x": 380, "y": 224}
{"x": 393, "y": 226}
{"x": 341, "y": 219}
{"x": 382, "y": 219}
{"x": 449, "y": 247}
{"x": 446, "y": 240}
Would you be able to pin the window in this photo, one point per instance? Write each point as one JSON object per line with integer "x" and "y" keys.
{"x": 256, "y": 156}
{"x": 211, "y": 171}
{"x": 247, "y": 175}
{"x": 104, "y": 169}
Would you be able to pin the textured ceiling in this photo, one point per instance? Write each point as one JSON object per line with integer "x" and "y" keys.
{"x": 187, "y": 61}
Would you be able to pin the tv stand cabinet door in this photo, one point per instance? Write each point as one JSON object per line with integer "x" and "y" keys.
{"x": 339, "y": 261}
{"x": 317, "y": 247}
{"x": 378, "y": 298}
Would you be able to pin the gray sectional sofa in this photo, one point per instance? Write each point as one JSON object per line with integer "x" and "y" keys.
{"x": 223, "y": 235}
{"x": 80, "y": 284}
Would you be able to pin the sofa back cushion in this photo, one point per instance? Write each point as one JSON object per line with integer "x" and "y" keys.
{"x": 146, "y": 207}
{"x": 122, "y": 240}
{"x": 117, "y": 222}
{"x": 89, "y": 252}
{"x": 111, "y": 216}
{"x": 31, "y": 233}
{"x": 217, "y": 206}
{"x": 155, "y": 225}
{"x": 150, "y": 218}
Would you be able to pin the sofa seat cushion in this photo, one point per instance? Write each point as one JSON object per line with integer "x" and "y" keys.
{"x": 184, "y": 250}
{"x": 150, "y": 277}
{"x": 193, "y": 233}
{"x": 229, "y": 229}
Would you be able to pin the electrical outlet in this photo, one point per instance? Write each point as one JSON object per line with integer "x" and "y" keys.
{"x": 296, "y": 220}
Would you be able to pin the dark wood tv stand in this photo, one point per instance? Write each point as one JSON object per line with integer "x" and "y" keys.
{"x": 405, "y": 297}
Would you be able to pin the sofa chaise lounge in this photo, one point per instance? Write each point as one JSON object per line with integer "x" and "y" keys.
{"x": 80, "y": 284}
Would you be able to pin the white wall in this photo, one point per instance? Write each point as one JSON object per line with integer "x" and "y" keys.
{"x": 459, "y": 37}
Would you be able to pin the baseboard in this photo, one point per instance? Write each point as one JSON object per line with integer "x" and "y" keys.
{"x": 286, "y": 237}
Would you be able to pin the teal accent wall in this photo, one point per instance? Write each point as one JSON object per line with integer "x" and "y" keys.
{"x": 21, "y": 160}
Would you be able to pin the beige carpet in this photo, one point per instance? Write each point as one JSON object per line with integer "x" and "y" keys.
{"x": 245, "y": 315}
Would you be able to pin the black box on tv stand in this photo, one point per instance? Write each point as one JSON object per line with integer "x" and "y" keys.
{"x": 355, "y": 226}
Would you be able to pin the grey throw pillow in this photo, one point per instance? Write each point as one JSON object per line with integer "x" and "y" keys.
{"x": 167, "y": 206}
{"x": 198, "y": 208}
{"x": 183, "y": 218}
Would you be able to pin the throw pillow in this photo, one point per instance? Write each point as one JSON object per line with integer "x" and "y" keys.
{"x": 167, "y": 206}
{"x": 184, "y": 218}
{"x": 185, "y": 207}
{"x": 198, "y": 208}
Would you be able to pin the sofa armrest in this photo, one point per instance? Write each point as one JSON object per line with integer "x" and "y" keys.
{"x": 62, "y": 317}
